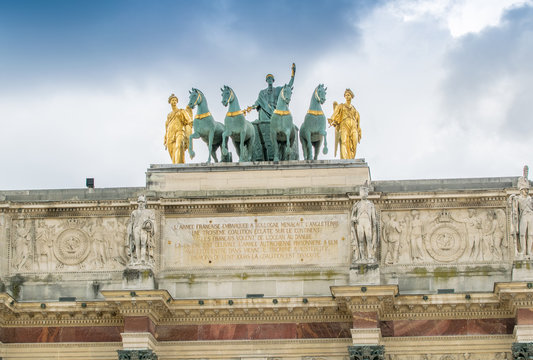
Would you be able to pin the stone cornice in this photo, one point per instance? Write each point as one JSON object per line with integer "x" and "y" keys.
{"x": 174, "y": 204}
{"x": 386, "y": 301}
{"x": 159, "y": 306}
{"x": 20, "y": 314}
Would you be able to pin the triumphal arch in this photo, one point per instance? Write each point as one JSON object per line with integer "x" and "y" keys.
{"x": 279, "y": 260}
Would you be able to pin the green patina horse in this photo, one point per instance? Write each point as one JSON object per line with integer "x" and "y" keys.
{"x": 242, "y": 132}
{"x": 204, "y": 125}
{"x": 282, "y": 129}
{"x": 313, "y": 129}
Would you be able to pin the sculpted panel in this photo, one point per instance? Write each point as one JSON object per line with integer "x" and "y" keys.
{"x": 444, "y": 236}
{"x": 64, "y": 245}
{"x": 289, "y": 240}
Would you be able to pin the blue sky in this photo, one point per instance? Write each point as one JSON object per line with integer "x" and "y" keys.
{"x": 444, "y": 87}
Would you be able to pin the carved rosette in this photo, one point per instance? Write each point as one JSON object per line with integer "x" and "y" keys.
{"x": 522, "y": 351}
{"x": 366, "y": 352}
{"x": 136, "y": 355}
{"x": 72, "y": 246}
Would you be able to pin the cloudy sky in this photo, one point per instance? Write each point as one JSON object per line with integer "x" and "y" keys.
{"x": 444, "y": 88}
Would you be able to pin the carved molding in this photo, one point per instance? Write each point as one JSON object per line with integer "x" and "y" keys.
{"x": 162, "y": 309}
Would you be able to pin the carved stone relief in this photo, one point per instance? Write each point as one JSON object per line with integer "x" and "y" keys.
{"x": 444, "y": 236}
{"x": 63, "y": 245}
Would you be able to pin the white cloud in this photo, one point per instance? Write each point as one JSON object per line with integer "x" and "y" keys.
{"x": 461, "y": 17}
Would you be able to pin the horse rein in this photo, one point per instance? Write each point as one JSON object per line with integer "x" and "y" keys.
{"x": 200, "y": 116}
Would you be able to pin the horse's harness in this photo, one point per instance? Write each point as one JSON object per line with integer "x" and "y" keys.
{"x": 200, "y": 116}
{"x": 233, "y": 113}
{"x": 282, "y": 112}
{"x": 316, "y": 112}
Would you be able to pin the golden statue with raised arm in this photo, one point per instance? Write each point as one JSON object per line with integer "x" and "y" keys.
{"x": 178, "y": 129}
{"x": 345, "y": 120}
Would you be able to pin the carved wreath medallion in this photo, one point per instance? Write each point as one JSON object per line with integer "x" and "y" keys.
{"x": 445, "y": 244}
{"x": 72, "y": 247}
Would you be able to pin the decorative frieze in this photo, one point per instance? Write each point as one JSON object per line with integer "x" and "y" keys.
{"x": 454, "y": 236}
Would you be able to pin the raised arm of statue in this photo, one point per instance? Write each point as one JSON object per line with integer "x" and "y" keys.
{"x": 292, "y": 74}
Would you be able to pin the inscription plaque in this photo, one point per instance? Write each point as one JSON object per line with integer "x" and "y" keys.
{"x": 256, "y": 241}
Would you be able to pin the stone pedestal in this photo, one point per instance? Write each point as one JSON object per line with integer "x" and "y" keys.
{"x": 300, "y": 176}
{"x": 364, "y": 274}
{"x": 523, "y": 270}
{"x": 138, "y": 278}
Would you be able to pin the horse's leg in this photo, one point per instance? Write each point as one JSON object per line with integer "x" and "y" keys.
{"x": 316, "y": 146}
{"x": 237, "y": 146}
{"x": 194, "y": 135}
{"x": 224, "y": 143}
{"x": 308, "y": 143}
{"x": 251, "y": 142}
{"x": 302, "y": 142}
{"x": 274, "y": 141}
{"x": 243, "y": 150}
{"x": 214, "y": 154}
{"x": 210, "y": 143}
{"x": 325, "y": 136}
{"x": 287, "y": 155}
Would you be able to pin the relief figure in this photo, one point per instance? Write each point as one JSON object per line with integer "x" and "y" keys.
{"x": 416, "y": 237}
{"x": 100, "y": 247}
{"x": 44, "y": 254}
{"x": 117, "y": 247}
{"x": 23, "y": 244}
{"x": 474, "y": 231}
{"x": 392, "y": 232}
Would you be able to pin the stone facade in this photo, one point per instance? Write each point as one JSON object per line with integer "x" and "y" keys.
{"x": 257, "y": 261}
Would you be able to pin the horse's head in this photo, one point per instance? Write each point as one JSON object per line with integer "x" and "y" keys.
{"x": 286, "y": 93}
{"x": 227, "y": 95}
{"x": 320, "y": 93}
{"x": 195, "y": 98}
